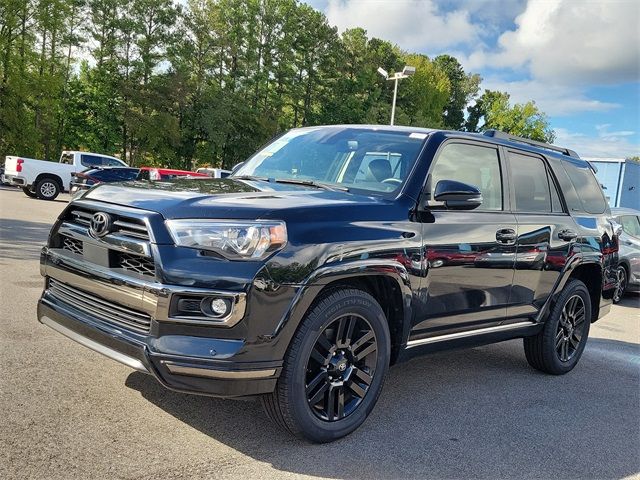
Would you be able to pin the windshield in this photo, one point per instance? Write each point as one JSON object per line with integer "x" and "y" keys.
{"x": 359, "y": 158}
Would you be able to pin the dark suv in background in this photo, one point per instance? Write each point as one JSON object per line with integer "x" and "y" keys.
{"x": 331, "y": 254}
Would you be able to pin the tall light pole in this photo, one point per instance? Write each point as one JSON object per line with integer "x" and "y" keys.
{"x": 406, "y": 72}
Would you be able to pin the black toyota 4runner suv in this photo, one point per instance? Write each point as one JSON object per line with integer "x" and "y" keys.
{"x": 331, "y": 254}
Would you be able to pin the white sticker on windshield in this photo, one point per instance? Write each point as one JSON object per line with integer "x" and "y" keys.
{"x": 421, "y": 136}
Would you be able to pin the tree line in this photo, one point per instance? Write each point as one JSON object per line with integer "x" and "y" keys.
{"x": 206, "y": 83}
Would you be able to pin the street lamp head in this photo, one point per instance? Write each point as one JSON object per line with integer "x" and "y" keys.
{"x": 408, "y": 70}
{"x": 383, "y": 72}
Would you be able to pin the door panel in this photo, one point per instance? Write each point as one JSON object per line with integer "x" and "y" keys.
{"x": 542, "y": 251}
{"x": 468, "y": 272}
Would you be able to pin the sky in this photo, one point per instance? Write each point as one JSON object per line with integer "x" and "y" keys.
{"x": 579, "y": 60}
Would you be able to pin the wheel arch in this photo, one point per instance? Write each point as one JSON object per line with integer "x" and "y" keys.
{"x": 386, "y": 282}
{"x": 52, "y": 176}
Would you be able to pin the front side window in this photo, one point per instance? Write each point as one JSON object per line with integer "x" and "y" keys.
{"x": 359, "y": 158}
{"x": 530, "y": 184}
{"x": 111, "y": 162}
{"x": 630, "y": 225}
{"x": 474, "y": 165}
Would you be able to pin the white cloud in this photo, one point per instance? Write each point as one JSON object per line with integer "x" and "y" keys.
{"x": 553, "y": 99}
{"x": 604, "y": 144}
{"x": 569, "y": 42}
{"x": 412, "y": 24}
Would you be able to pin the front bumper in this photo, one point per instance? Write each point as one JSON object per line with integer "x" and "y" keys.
{"x": 187, "y": 363}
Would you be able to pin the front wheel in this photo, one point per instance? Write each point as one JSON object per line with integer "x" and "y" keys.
{"x": 334, "y": 370}
{"x": 559, "y": 346}
{"x": 621, "y": 284}
{"x": 47, "y": 189}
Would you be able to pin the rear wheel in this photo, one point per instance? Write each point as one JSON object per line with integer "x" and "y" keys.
{"x": 559, "y": 346}
{"x": 621, "y": 285}
{"x": 28, "y": 192}
{"x": 334, "y": 369}
{"x": 47, "y": 189}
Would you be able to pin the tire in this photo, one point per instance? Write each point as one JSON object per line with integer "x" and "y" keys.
{"x": 621, "y": 285}
{"x": 341, "y": 346}
{"x": 47, "y": 189}
{"x": 559, "y": 346}
{"x": 28, "y": 192}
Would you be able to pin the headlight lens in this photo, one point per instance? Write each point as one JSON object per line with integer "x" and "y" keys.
{"x": 236, "y": 240}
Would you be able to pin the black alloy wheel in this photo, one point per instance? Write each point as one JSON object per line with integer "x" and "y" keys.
{"x": 621, "y": 284}
{"x": 341, "y": 367}
{"x": 334, "y": 368}
{"x": 570, "y": 328}
{"x": 557, "y": 348}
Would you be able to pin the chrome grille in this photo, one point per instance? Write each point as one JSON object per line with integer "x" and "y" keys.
{"x": 72, "y": 245}
{"x": 99, "y": 308}
{"x": 138, "y": 264}
{"x": 123, "y": 226}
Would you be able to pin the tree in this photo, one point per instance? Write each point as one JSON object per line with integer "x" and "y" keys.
{"x": 463, "y": 89}
{"x": 495, "y": 111}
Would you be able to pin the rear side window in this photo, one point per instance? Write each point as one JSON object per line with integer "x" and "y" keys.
{"x": 534, "y": 190}
{"x": 67, "y": 158}
{"x": 474, "y": 165}
{"x": 630, "y": 225}
{"x": 587, "y": 186}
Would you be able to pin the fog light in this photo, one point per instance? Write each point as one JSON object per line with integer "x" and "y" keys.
{"x": 216, "y": 306}
{"x": 219, "y": 306}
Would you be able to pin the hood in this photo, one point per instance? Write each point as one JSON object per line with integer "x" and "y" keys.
{"x": 223, "y": 198}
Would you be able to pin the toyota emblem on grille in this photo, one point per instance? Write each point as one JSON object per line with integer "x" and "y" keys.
{"x": 100, "y": 224}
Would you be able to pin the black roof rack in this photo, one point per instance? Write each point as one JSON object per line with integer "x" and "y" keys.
{"x": 535, "y": 143}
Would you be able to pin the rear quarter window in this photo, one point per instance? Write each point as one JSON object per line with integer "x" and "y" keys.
{"x": 586, "y": 185}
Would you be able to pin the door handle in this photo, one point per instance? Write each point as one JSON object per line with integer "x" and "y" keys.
{"x": 506, "y": 235}
{"x": 567, "y": 235}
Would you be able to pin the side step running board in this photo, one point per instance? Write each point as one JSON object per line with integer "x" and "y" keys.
{"x": 468, "y": 333}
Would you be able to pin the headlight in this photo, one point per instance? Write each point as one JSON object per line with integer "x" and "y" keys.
{"x": 236, "y": 240}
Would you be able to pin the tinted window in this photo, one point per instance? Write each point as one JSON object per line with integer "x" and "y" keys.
{"x": 143, "y": 175}
{"x": 224, "y": 174}
{"x": 111, "y": 162}
{"x": 586, "y": 185}
{"x": 530, "y": 184}
{"x": 631, "y": 225}
{"x": 91, "y": 160}
{"x": 474, "y": 165}
{"x": 115, "y": 174}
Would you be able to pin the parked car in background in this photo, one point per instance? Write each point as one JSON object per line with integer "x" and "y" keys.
{"x": 45, "y": 180}
{"x": 153, "y": 173}
{"x": 93, "y": 176}
{"x": 303, "y": 276}
{"x": 214, "y": 172}
{"x": 629, "y": 254}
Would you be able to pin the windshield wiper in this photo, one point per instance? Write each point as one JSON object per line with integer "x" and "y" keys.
{"x": 249, "y": 177}
{"x": 309, "y": 183}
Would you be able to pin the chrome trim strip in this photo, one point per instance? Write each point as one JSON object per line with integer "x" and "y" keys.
{"x": 95, "y": 346}
{"x": 468, "y": 333}
{"x": 112, "y": 241}
{"x": 221, "y": 374}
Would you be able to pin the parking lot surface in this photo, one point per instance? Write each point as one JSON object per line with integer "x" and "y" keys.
{"x": 67, "y": 412}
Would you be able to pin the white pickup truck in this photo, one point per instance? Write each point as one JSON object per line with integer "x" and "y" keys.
{"x": 45, "y": 180}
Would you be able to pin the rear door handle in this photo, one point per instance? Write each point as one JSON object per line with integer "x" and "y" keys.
{"x": 506, "y": 235}
{"x": 567, "y": 235}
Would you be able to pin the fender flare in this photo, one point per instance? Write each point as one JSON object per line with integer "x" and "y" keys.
{"x": 576, "y": 261}
{"x": 309, "y": 290}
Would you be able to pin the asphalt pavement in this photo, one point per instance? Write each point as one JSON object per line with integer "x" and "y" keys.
{"x": 67, "y": 412}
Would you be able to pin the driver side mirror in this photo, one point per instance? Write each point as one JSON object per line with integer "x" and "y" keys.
{"x": 457, "y": 195}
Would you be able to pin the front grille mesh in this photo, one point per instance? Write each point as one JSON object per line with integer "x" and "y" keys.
{"x": 72, "y": 245}
{"x": 138, "y": 264}
{"x": 99, "y": 308}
